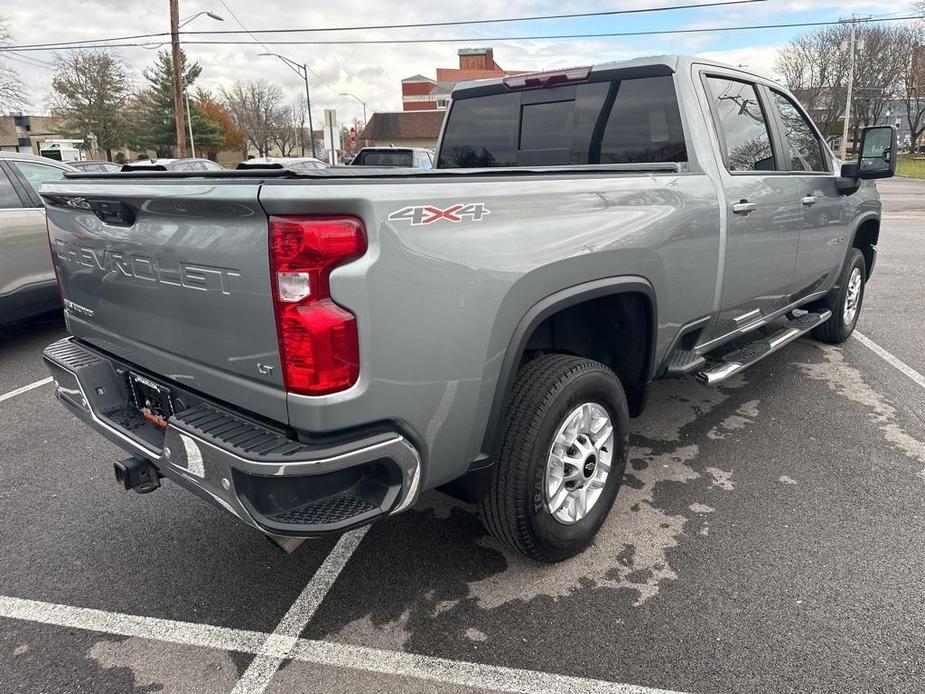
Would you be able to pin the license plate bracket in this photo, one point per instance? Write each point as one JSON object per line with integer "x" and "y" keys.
{"x": 151, "y": 399}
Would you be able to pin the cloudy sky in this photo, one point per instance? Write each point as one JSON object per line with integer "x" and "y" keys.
{"x": 373, "y": 72}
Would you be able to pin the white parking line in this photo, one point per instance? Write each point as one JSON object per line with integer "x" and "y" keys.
{"x": 464, "y": 674}
{"x": 171, "y": 631}
{"x": 890, "y": 359}
{"x": 284, "y": 638}
{"x": 380, "y": 661}
{"x": 25, "y": 389}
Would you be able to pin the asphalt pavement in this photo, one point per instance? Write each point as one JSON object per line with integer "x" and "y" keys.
{"x": 768, "y": 538}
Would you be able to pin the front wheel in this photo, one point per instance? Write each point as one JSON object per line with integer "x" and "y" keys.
{"x": 563, "y": 452}
{"x": 845, "y": 304}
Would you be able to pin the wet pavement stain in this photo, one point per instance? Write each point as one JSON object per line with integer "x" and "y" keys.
{"x": 848, "y": 382}
{"x": 630, "y": 554}
{"x": 168, "y": 668}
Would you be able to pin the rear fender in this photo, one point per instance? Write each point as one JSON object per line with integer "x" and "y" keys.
{"x": 543, "y": 309}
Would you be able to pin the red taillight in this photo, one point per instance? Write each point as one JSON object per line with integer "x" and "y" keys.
{"x": 318, "y": 342}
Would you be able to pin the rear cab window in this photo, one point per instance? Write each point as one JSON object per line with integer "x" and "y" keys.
{"x": 378, "y": 157}
{"x": 608, "y": 122}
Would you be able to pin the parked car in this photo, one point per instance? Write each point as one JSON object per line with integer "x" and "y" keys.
{"x": 407, "y": 157}
{"x": 174, "y": 165}
{"x": 27, "y": 278}
{"x": 310, "y": 354}
{"x": 293, "y": 163}
{"x": 96, "y": 166}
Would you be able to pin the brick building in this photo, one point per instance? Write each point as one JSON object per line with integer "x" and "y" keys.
{"x": 420, "y": 93}
{"x": 403, "y": 129}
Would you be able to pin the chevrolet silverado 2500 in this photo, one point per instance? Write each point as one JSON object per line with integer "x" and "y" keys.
{"x": 312, "y": 350}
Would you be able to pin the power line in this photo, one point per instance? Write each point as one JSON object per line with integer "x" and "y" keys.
{"x": 29, "y": 60}
{"x": 489, "y": 39}
{"x": 412, "y": 25}
{"x": 463, "y": 22}
{"x": 258, "y": 41}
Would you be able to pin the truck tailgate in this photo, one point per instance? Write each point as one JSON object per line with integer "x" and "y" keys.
{"x": 173, "y": 276}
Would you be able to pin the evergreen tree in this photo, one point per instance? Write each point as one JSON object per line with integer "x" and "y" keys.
{"x": 155, "y": 124}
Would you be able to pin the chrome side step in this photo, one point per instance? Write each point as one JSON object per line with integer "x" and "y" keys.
{"x": 755, "y": 351}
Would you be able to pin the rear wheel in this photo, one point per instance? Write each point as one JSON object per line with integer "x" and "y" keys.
{"x": 845, "y": 304}
{"x": 563, "y": 452}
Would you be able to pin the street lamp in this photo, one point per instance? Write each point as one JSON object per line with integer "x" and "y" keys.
{"x": 177, "y": 78}
{"x": 189, "y": 121}
{"x": 214, "y": 16}
{"x": 354, "y": 96}
{"x": 302, "y": 71}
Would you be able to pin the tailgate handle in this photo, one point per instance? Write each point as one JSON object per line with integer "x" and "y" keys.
{"x": 114, "y": 212}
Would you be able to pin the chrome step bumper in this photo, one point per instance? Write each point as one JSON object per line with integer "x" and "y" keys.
{"x": 268, "y": 479}
{"x": 755, "y": 351}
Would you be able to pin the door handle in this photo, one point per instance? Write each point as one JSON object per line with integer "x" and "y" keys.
{"x": 743, "y": 207}
{"x": 809, "y": 200}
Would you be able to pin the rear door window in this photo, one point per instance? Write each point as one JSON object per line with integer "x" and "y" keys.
{"x": 742, "y": 124}
{"x": 8, "y": 196}
{"x": 627, "y": 121}
{"x": 36, "y": 174}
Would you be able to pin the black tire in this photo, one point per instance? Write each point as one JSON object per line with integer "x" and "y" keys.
{"x": 836, "y": 330}
{"x": 513, "y": 505}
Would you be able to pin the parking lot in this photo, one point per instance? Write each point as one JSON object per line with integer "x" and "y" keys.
{"x": 770, "y": 537}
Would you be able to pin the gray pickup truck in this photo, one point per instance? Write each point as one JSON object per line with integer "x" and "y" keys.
{"x": 312, "y": 350}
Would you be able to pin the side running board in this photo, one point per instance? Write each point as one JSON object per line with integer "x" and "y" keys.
{"x": 732, "y": 363}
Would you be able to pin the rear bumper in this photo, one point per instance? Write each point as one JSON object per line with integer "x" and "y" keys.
{"x": 259, "y": 473}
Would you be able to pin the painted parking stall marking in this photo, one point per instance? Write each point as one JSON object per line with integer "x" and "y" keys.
{"x": 890, "y": 358}
{"x": 269, "y": 646}
{"x": 26, "y": 389}
{"x": 280, "y": 643}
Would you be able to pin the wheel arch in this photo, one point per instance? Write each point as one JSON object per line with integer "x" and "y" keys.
{"x": 865, "y": 236}
{"x": 557, "y": 303}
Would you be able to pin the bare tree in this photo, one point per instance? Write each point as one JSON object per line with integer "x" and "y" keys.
{"x": 815, "y": 68}
{"x": 12, "y": 91}
{"x": 879, "y": 65}
{"x": 912, "y": 78}
{"x": 254, "y": 106}
{"x": 289, "y": 134}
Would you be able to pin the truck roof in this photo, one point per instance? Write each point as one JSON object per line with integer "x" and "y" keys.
{"x": 644, "y": 66}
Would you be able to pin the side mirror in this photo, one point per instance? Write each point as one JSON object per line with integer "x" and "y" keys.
{"x": 878, "y": 152}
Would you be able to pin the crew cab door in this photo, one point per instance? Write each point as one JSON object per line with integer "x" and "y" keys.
{"x": 824, "y": 218}
{"x": 762, "y": 209}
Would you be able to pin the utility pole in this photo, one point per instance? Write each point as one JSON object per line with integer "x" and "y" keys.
{"x": 177, "y": 81}
{"x": 851, "y": 43}
{"x": 308, "y": 105}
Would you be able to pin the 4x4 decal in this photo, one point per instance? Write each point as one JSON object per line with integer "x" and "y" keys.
{"x": 428, "y": 214}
